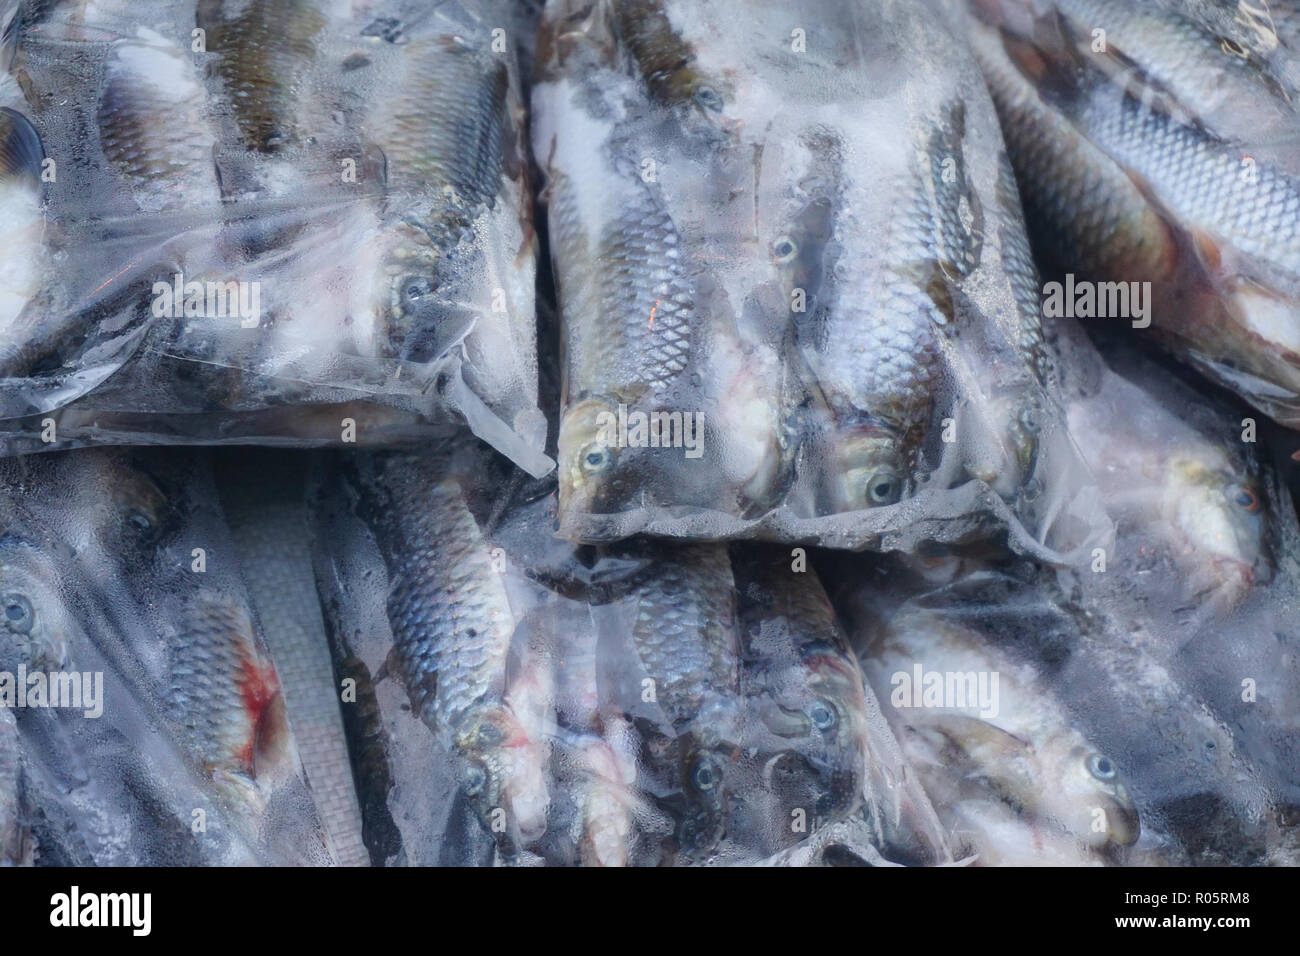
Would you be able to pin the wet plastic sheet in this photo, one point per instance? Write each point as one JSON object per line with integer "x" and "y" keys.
{"x": 117, "y": 566}
{"x": 261, "y": 225}
{"x": 796, "y": 297}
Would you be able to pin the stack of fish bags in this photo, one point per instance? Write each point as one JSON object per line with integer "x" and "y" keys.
{"x": 861, "y": 544}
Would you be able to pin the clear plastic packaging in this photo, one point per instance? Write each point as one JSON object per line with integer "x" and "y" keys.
{"x": 1137, "y": 710}
{"x": 795, "y": 294}
{"x": 1157, "y": 146}
{"x": 517, "y": 699}
{"x": 158, "y": 735}
{"x": 262, "y": 223}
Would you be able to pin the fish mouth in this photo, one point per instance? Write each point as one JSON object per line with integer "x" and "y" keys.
{"x": 597, "y": 473}
{"x": 802, "y": 781}
{"x": 1019, "y": 447}
{"x": 26, "y": 627}
{"x": 704, "y": 799}
{"x": 1109, "y": 796}
{"x": 1123, "y": 825}
{"x": 504, "y": 777}
{"x": 785, "y": 722}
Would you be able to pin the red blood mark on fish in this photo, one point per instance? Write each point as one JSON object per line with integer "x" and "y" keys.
{"x": 260, "y": 691}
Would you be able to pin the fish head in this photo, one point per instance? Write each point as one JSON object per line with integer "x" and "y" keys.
{"x": 1084, "y": 792}
{"x": 704, "y": 779}
{"x": 838, "y": 711}
{"x": 665, "y": 61}
{"x": 593, "y": 469}
{"x": 128, "y": 511}
{"x": 811, "y": 725}
{"x": 504, "y": 772}
{"x": 1219, "y": 517}
{"x": 37, "y": 627}
{"x": 416, "y": 295}
{"x": 797, "y": 250}
{"x": 867, "y": 468}
{"x": 1056, "y": 778}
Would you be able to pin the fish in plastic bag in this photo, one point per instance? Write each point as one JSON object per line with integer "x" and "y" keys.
{"x": 795, "y": 295}
{"x": 275, "y": 221}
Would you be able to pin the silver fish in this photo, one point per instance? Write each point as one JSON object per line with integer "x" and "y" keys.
{"x": 826, "y": 753}
{"x": 680, "y": 615}
{"x": 1030, "y": 754}
{"x": 653, "y": 259}
{"x": 1127, "y": 182}
{"x": 453, "y": 622}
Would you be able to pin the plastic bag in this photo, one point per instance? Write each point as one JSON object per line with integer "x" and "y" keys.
{"x": 265, "y": 225}
{"x": 1138, "y": 710}
{"x": 1158, "y": 149}
{"x": 522, "y": 700}
{"x": 795, "y": 293}
{"x": 143, "y": 720}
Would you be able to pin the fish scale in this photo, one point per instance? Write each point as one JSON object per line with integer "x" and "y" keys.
{"x": 451, "y": 615}
{"x": 1123, "y": 183}
{"x": 647, "y": 291}
{"x": 1201, "y": 181}
{"x": 1077, "y": 201}
{"x": 1190, "y": 61}
{"x": 220, "y": 687}
{"x": 456, "y": 153}
{"x": 880, "y": 353}
{"x": 685, "y": 628}
{"x": 802, "y": 681}
{"x": 263, "y": 55}
{"x": 133, "y": 132}
{"x": 16, "y": 842}
{"x": 452, "y": 626}
{"x": 1018, "y": 264}
{"x": 684, "y": 633}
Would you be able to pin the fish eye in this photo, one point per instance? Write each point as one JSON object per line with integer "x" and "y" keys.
{"x": 594, "y": 457}
{"x": 822, "y": 715}
{"x": 883, "y": 487}
{"x": 475, "y": 780}
{"x": 784, "y": 249}
{"x": 17, "y": 613}
{"x": 1246, "y": 498}
{"x": 705, "y": 775}
{"x": 707, "y": 98}
{"x": 416, "y": 288}
{"x": 1101, "y": 767}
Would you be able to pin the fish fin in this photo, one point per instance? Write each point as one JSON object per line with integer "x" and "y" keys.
{"x": 945, "y": 197}
{"x": 1206, "y": 248}
{"x": 21, "y": 152}
{"x": 971, "y": 736}
{"x": 388, "y": 29}
{"x": 389, "y": 667}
